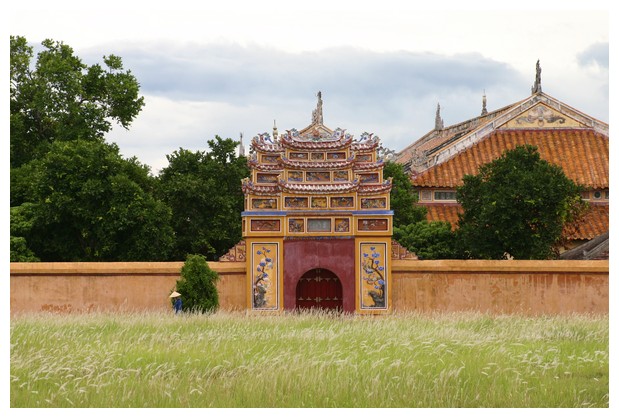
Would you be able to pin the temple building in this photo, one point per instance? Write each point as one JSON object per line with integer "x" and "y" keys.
{"x": 564, "y": 136}
{"x": 317, "y": 223}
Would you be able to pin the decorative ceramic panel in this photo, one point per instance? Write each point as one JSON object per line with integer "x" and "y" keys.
{"x": 265, "y": 284}
{"x": 295, "y": 176}
{"x": 373, "y": 276}
{"x": 319, "y": 225}
{"x": 373, "y": 225}
{"x": 363, "y": 158}
{"x": 319, "y": 202}
{"x": 265, "y": 225}
{"x": 378, "y": 203}
{"x": 295, "y": 225}
{"x": 317, "y": 156}
{"x": 342, "y": 225}
{"x": 542, "y": 116}
{"x": 340, "y": 176}
{"x": 298, "y": 155}
{"x": 264, "y": 203}
{"x": 336, "y": 156}
{"x": 266, "y": 178}
{"x": 296, "y": 202}
{"x": 270, "y": 159}
{"x": 368, "y": 178}
{"x": 342, "y": 202}
{"x": 318, "y": 176}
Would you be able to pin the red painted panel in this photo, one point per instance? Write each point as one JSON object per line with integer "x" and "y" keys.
{"x": 304, "y": 255}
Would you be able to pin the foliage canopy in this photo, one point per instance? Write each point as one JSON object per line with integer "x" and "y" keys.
{"x": 197, "y": 285}
{"x": 516, "y": 206}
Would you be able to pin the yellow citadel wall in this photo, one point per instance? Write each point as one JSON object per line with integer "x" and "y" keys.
{"x": 498, "y": 287}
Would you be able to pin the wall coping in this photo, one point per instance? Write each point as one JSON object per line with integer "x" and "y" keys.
{"x": 118, "y": 268}
{"x": 501, "y": 266}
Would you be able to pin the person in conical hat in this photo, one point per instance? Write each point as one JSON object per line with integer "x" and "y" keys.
{"x": 178, "y": 302}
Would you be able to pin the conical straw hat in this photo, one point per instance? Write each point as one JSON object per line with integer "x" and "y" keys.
{"x": 175, "y": 294}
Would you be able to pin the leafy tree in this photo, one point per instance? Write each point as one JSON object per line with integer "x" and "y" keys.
{"x": 86, "y": 203}
{"x": 20, "y": 225}
{"x": 403, "y": 197}
{"x": 428, "y": 240}
{"x": 517, "y": 205}
{"x": 204, "y": 191}
{"x": 60, "y": 98}
{"x": 197, "y": 285}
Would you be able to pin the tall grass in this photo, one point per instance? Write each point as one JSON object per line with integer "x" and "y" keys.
{"x": 309, "y": 360}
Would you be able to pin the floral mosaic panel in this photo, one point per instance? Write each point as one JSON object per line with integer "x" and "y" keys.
{"x": 317, "y": 156}
{"x": 336, "y": 156}
{"x": 342, "y": 202}
{"x": 363, "y": 158}
{"x": 340, "y": 175}
{"x": 265, "y": 225}
{"x": 342, "y": 225}
{"x": 295, "y": 202}
{"x": 319, "y": 202}
{"x": 270, "y": 158}
{"x": 264, "y": 203}
{"x": 298, "y": 155}
{"x": 368, "y": 178}
{"x": 295, "y": 176}
{"x": 266, "y": 178}
{"x": 295, "y": 225}
{"x": 318, "y": 176}
{"x": 265, "y": 285}
{"x": 372, "y": 225}
{"x": 378, "y": 203}
{"x": 373, "y": 276}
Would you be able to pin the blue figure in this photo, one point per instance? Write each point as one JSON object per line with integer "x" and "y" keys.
{"x": 177, "y": 302}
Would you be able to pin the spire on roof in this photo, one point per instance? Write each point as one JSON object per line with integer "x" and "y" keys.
{"x": 537, "y": 87}
{"x": 438, "y": 121}
{"x": 317, "y": 114}
{"x": 241, "y": 146}
{"x": 484, "y": 111}
{"x": 275, "y": 134}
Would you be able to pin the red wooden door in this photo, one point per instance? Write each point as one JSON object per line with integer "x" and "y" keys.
{"x": 319, "y": 289}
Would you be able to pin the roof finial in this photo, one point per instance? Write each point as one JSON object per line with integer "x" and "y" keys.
{"x": 484, "y": 111}
{"x": 241, "y": 146}
{"x": 275, "y": 134}
{"x": 317, "y": 114}
{"x": 438, "y": 121}
{"x": 537, "y": 87}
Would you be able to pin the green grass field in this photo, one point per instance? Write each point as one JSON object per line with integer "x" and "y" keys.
{"x": 309, "y": 360}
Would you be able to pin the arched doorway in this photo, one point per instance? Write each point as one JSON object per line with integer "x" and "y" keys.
{"x": 319, "y": 289}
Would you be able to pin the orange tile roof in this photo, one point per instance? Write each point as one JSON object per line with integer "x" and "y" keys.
{"x": 594, "y": 223}
{"x": 582, "y": 153}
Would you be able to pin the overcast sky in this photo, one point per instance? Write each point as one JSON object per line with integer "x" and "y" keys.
{"x": 222, "y": 70}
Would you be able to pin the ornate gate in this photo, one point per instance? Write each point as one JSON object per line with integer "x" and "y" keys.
{"x": 319, "y": 289}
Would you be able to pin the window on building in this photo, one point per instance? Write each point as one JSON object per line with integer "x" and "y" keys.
{"x": 426, "y": 195}
{"x": 606, "y": 195}
{"x": 597, "y": 194}
{"x": 445, "y": 195}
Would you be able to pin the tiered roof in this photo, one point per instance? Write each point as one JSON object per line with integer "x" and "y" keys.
{"x": 564, "y": 136}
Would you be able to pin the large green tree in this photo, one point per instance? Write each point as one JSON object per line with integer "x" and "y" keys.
{"x": 516, "y": 206}
{"x": 403, "y": 197}
{"x": 203, "y": 188}
{"x": 59, "y": 98}
{"x": 84, "y": 202}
